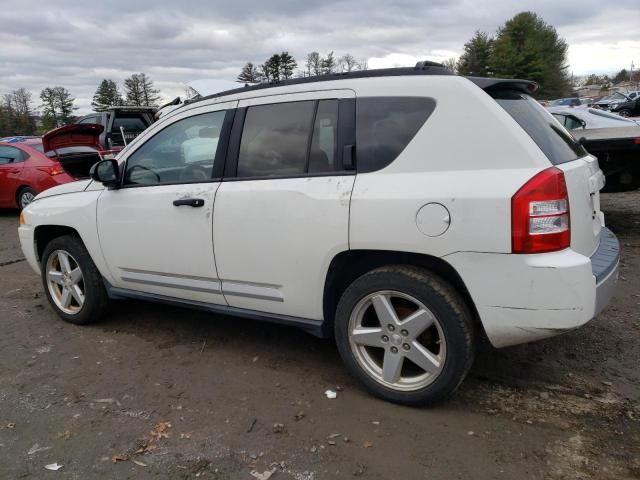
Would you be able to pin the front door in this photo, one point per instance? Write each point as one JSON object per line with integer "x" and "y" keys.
{"x": 156, "y": 231}
{"x": 282, "y": 212}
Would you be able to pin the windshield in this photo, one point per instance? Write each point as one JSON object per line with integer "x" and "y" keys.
{"x": 553, "y": 139}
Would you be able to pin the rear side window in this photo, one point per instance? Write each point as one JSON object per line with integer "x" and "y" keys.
{"x": 385, "y": 126}
{"x": 555, "y": 142}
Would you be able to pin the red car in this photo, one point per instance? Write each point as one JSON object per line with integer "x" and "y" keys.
{"x": 26, "y": 170}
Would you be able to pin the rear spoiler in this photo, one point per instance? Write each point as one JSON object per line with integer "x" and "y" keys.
{"x": 524, "y": 86}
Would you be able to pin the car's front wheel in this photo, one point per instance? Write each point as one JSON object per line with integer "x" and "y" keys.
{"x": 72, "y": 282}
{"x": 406, "y": 334}
{"x": 625, "y": 112}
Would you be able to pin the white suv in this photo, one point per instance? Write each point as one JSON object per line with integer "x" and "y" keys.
{"x": 361, "y": 206}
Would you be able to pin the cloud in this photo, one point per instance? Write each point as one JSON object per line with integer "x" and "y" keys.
{"x": 77, "y": 44}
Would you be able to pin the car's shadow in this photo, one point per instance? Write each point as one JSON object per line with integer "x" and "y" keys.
{"x": 9, "y": 212}
{"x": 523, "y": 367}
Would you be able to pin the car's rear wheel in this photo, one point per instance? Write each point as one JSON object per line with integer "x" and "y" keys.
{"x": 25, "y": 197}
{"x": 72, "y": 282}
{"x": 406, "y": 334}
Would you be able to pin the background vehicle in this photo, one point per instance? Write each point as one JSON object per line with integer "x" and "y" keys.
{"x": 132, "y": 120}
{"x": 346, "y": 205}
{"x": 583, "y": 116}
{"x": 569, "y": 102}
{"x": 611, "y": 100}
{"x": 615, "y": 140}
{"x": 627, "y": 109}
{"x": 26, "y": 171}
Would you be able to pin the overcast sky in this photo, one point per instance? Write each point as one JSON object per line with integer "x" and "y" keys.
{"x": 78, "y": 43}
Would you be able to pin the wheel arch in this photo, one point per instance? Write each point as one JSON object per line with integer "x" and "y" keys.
{"x": 43, "y": 234}
{"x": 348, "y": 265}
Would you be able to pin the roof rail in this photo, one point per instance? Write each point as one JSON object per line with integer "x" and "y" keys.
{"x": 421, "y": 68}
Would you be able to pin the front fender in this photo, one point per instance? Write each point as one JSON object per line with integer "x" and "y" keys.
{"x": 73, "y": 210}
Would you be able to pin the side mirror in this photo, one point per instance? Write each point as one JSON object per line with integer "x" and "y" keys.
{"x": 106, "y": 172}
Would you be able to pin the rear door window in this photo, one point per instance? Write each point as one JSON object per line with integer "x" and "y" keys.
{"x": 555, "y": 142}
{"x": 385, "y": 126}
{"x": 275, "y": 139}
{"x": 11, "y": 155}
{"x": 323, "y": 155}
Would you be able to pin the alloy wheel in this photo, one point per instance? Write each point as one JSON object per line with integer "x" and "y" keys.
{"x": 26, "y": 198}
{"x": 65, "y": 282}
{"x": 397, "y": 340}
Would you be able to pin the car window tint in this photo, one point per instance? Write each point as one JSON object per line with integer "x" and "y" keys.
{"x": 385, "y": 126}
{"x": 129, "y": 124}
{"x": 89, "y": 120}
{"x": 275, "y": 139}
{"x": 555, "y": 142}
{"x": 37, "y": 146}
{"x": 323, "y": 153}
{"x": 10, "y": 155}
{"x": 183, "y": 152}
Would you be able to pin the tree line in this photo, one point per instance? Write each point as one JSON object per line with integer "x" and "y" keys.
{"x": 524, "y": 47}
{"x": 57, "y": 105}
{"x": 282, "y": 66}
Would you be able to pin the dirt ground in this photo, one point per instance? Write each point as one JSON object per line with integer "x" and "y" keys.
{"x": 161, "y": 392}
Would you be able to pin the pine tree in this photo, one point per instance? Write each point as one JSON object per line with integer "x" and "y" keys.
{"x": 270, "y": 69}
{"x": 107, "y": 95}
{"x": 287, "y": 65}
{"x": 476, "y": 56}
{"x": 249, "y": 74}
{"x": 57, "y": 107}
{"x": 526, "y": 47}
{"x": 140, "y": 91}
{"x": 621, "y": 76}
{"x": 328, "y": 64}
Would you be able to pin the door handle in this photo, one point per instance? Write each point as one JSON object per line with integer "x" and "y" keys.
{"x": 189, "y": 202}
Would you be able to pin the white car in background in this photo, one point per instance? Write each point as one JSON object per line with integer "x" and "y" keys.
{"x": 592, "y": 118}
{"x": 355, "y": 206}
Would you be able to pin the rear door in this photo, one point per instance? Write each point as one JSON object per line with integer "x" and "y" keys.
{"x": 11, "y": 165}
{"x": 282, "y": 211}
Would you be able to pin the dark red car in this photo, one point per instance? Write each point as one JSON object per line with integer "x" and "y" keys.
{"x": 26, "y": 170}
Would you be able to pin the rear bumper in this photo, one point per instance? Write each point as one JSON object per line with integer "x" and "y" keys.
{"x": 604, "y": 266}
{"x": 522, "y": 298}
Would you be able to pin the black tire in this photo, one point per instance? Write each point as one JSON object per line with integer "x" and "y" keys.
{"x": 95, "y": 295}
{"x": 23, "y": 195}
{"x": 625, "y": 112}
{"x": 448, "y": 307}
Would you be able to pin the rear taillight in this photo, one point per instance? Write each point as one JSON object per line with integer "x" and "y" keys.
{"x": 55, "y": 170}
{"x": 540, "y": 219}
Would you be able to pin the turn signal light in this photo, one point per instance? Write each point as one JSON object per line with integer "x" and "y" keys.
{"x": 540, "y": 220}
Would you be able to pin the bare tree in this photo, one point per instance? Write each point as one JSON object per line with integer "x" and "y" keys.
{"x": 347, "y": 63}
{"x": 313, "y": 65}
{"x": 451, "y": 64}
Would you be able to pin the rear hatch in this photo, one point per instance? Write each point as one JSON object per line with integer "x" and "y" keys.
{"x": 76, "y": 147}
{"x": 582, "y": 174}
